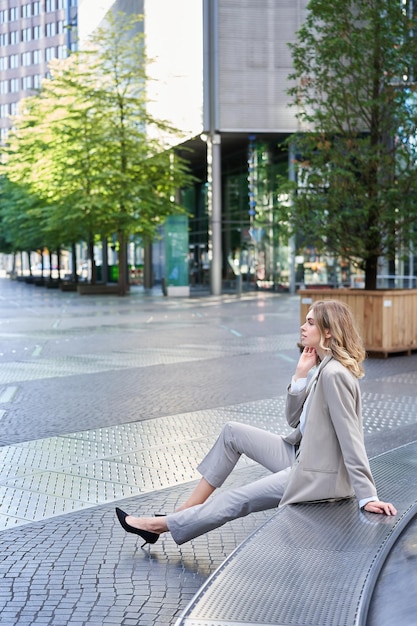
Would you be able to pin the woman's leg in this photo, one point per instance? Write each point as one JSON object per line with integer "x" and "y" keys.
{"x": 260, "y": 495}
{"x": 235, "y": 439}
{"x": 196, "y": 516}
{"x": 184, "y": 525}
{"x": 199, "y": 495}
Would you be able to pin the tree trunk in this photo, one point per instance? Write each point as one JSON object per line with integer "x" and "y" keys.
{"x": 92, "y": 261}
{"x": 105, "y": 260}
{"x": 58, "y": 263}
{"x": 50, "y": 264}
{"x": 147, "y": 273}
{"x": 371, "y": 270}
{"x": 74, "y": 274}
{"x": 123, "y": 271}
{"x": 30, "y": 264}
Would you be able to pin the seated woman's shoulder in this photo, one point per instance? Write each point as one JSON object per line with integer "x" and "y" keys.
{"x": 336, "y": 369}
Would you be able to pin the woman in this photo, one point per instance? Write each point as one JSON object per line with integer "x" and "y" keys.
{"x": 323, "y": 459}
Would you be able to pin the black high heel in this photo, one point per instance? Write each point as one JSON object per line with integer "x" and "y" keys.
{"x": 147, "y": 535}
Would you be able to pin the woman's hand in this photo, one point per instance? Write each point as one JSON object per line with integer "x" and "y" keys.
{"x": 380, "y": 507}
{"x": 307, "y": 360}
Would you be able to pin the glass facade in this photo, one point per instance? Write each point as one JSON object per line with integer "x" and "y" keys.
{"x": 253, "y": 246}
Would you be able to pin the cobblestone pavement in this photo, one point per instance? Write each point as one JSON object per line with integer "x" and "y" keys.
{"x": 106, "y": 399}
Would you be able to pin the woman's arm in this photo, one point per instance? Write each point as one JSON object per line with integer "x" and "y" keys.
{"x": 307, "y": 360}
{"x": 343, "y": 397}
{"x": 296, "y": 398}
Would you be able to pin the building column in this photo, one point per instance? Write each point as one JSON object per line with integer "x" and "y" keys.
{"x": 215, "y": 211}
{"x": 211, "y": 131}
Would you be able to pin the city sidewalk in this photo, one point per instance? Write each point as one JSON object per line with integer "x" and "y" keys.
{"x": 108, "y": 401}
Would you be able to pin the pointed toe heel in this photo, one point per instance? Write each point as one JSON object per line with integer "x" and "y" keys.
{"x": 146, "y": 535}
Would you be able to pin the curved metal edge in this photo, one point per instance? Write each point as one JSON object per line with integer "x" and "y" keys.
{"x": 403, "y": 445}
{"x": 378, "y": 562}
{"x": 180, "y": 621}
{"x": 371, "y": 579}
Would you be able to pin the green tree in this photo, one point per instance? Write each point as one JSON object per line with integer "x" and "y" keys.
{"x": 355, "y": 155}
{"x": 29, "y": 206}
{"x": 21, "y": 231}
{"x": 91, "y": 150}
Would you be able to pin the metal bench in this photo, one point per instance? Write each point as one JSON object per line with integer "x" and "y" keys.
{"x": 311, "y": 564}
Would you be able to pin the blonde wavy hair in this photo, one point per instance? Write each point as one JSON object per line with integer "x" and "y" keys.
{"x": 345, "y": 343}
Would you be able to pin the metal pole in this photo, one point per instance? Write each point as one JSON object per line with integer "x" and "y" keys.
{"x": 216, "y": 212}
{"x": 211, "y": 124}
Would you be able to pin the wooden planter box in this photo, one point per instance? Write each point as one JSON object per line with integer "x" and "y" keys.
{"x": 86, "y": 289}
{"x": 387, "y": 318}
{"x": 52, "y": 283}
{"x": 68, "y": 286}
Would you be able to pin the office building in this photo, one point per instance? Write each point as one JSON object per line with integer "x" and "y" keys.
{"x": 224, "y": 66}
{"x": 31, "y": 34}
{"x": 221, "y": 69}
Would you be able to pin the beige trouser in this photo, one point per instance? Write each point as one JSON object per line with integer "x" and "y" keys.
{"x": 266, "y": 448}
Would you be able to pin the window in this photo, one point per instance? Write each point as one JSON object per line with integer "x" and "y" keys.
{"x": 49, "y": 6}
{"x": 27, "y": 34}
{"x": 4, "y": 40}
{"x": 36, "y": 8}
{"x": 14, "y": 14}
{"x": 37, "y": 81}
{"x": 50, "y": 53}
{"x": 26, "y": 58}
{"x": 14, "y": 61}
{"x": 4, "y": 110}
{"x": 62, "y": 52}
{"x": 13, "y": 108}
{"x": 14, "y": 85}
{"x": 14, "y": 36}
{"x": 37, "y": 32}
{"x": 4, "y": 86}
{"x": 4, "y": 16}
{"x": 27, "y": 82}
{"x": 60, "y": 27}
{"x": 50, "y": 29}
{"x": 4, "y": 63}
{"x": 37, "y": 56}
{"x": 26, "y": 10}
{"x": 61, "y": 4}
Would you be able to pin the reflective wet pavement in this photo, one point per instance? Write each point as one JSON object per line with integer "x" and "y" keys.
{"x": 106, "y": 400}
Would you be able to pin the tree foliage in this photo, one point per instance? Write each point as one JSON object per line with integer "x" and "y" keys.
{"x": 89, "y": 152}
{"x": 355, "y": 152}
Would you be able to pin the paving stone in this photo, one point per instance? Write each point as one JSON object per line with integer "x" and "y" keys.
{"x": 114, "y": 400}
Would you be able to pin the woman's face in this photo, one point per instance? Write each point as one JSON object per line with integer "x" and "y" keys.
{"x": 310, "y": 334}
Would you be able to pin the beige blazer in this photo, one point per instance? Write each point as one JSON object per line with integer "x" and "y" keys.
{"x": 332, "y": 462}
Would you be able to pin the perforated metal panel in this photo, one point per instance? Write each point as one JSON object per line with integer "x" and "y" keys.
{"x": 254, "y": 62}
{"x": 311, "y": 564}
{"x": 48, "y": 477}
